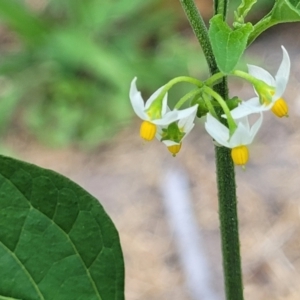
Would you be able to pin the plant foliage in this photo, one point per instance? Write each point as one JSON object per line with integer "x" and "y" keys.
{"x": 56, "y": 241}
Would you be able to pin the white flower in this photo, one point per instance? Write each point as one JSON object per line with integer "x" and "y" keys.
{"x": 159, "y": 115}
{"x": 242, "y": 136}
{"x": 154, "y": 111}
{"x": 173, "y": 135}
{"x": 269, "y": 90}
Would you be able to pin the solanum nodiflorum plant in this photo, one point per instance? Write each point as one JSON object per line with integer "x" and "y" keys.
{"x": 171, "y": 126}
{"x": 226, "y": 118}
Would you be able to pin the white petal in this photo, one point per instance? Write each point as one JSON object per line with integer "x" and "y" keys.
{"x": 137, "y": 101}
{"x": 240, "y": 112}
{"x": 187, "y": 131}
{"x": 188, "y": 121}
{"x": 249, "y": 107}
{"x": 169, "y": 143}
{"x": 217, "y": 130}
{"x": 185, "y": 113}
{"x": 153, "y": 97}
{"x": 255, "y": 127}
{"x": 261, "y": 74}
{"x": 245, "y": 122}
{"x": 240, "y": 137}
{"x": 159, "y": 131}
{"x": 244, "y": 135}
{"x": 186, "y": 124}
{"x": 283, "y": 74}
{"x": 167, "y": 119}
{"x": 165, "y": 107}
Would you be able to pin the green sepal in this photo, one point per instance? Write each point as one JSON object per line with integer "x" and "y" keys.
{"x": 233, "y": 102}
{"x": 228, "y": 44}
{"x": 154, "y": 111}
{"x": 202, "y": 109}
{"x": 172, "y": 133}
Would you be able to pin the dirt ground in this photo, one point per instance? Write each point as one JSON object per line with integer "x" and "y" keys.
{"x": 126, "y": 175}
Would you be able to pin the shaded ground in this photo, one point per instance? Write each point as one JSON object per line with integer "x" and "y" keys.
{"x": 126, "y": 175}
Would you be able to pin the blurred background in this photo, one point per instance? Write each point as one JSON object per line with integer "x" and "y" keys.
{"x": 65, "y": 70}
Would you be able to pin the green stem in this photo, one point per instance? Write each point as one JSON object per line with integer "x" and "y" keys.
{"x": 176, "y": 80}
{"x": 225, "y": 170}
{"x": 229, "y": 224}
{"x": 209, "y": 106}
{"x": 216, "y": 78}
{"x": 221, "y": 7}
{"x": 260, "y": 27}
{"x": 221, "y": 101}
{"x": 200, "y": 31}
{"x": 245, "y": 76}
{"x": 187, "y": 97}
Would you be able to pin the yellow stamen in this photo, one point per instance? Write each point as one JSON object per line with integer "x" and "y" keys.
{"x": 174, "y": 149}
{"x": 240, "y": 155}
{"x": 280, "y": 108}
{"x": 147, "y": 131}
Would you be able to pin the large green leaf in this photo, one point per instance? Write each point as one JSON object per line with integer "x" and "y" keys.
{"x": 283, "y": 11}
{"x": 228, "y": 44}
{"x": 56, "y": 241}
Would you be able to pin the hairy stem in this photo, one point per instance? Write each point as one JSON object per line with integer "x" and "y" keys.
{"x": 224, "y": 165}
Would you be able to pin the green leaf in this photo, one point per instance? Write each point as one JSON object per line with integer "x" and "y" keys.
{"x": 286, "y": 11}
{"x": 228, "y": 45}
{"x": 243, "y": 9}
{"x": 56, "y": 241}
{"x": 283, "y": 11}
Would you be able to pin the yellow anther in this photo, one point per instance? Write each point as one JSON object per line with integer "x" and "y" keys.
{"x": 147, "y": 131}
{"x": 280, "y": 108}
{"x": 174, "y": 149}
{"x": 240, "y": 155}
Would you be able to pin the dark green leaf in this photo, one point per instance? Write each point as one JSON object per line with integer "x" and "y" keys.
{"x": 228, "y": 44}
{"x": 56, "y": 241}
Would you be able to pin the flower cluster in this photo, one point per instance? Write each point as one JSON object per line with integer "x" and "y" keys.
{"x": 159, "y": 121}
{"x": 172, "y": 126}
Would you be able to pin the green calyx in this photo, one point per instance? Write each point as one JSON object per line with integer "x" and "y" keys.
{"x": 172, "y": 133}
{"x": 264, "y": 91}
{"x": 154, "y": 111}
{"x": 233, "y": 102}
{"x": 202, "y": 109}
